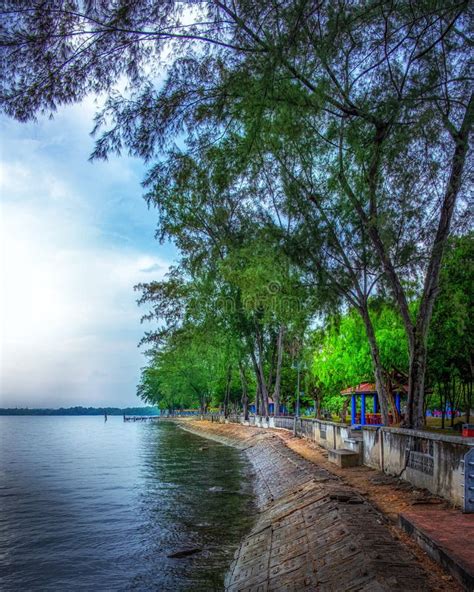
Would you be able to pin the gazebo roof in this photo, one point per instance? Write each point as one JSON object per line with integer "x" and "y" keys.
{"x": 369, "y": 388}
{"x": 363, "y": 387}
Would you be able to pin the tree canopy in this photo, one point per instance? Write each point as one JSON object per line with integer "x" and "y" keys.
{"x": 304, "y": 158}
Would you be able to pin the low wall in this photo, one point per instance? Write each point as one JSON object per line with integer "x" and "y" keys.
{"x": 427, "y": 460}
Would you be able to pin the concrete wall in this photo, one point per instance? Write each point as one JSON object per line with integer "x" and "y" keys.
{"x": 372, "y": 447}
{"x": 427, "y": 460}
{"x": 327, "y": 434}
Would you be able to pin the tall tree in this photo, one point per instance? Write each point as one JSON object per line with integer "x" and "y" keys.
{"x": 387, "y": 86}
{"x": 450, "y": 344}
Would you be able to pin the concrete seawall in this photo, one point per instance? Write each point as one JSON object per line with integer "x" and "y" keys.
{"x": 424, "y": 459}
{"x": 312, "y": 531}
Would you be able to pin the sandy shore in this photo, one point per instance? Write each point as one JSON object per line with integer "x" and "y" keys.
{"x": 318, "y": 527}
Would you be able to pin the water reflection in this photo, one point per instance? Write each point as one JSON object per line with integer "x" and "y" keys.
{"x": 91, "y": 506}
{"x": 197, "y": 495}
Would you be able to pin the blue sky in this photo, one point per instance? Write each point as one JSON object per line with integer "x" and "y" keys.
{"x": 75, "y": 238}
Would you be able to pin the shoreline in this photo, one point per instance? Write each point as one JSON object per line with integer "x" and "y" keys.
{"x": 314, "y": 530}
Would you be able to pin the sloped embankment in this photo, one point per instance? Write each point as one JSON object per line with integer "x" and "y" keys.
{"x": 312, "y": 532}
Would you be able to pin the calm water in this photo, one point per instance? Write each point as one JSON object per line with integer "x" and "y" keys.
{"x": 88, "y": 505}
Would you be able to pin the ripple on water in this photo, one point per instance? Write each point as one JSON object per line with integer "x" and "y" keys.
{"x": 88, "y": 505}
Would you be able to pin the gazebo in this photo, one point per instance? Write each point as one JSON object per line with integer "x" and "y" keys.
{"x": 271, "y": 407}
{"x": 363, "y": 390}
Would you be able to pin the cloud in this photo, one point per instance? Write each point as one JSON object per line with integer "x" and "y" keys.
{"x": 68, "y": 307}
{"x": 151, "y": 268}
{"x": 75, "y": 238}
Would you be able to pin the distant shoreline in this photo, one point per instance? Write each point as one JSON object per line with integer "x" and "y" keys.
{"x": 80, "y": 411}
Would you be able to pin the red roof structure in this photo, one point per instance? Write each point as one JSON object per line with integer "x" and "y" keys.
{"x": 367, "y": 388}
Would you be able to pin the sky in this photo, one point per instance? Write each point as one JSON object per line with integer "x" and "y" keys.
{"x": 75, "y": 237}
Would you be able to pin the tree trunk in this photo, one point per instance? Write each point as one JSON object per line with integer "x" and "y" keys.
{"x": 453, "y": 399}
{"x": 245, "y": 397}
{"x": 261, "y": 377}
{"x": 263, "y": 390}
{"x": 261, "y": 386}
{"x": 227, "y": 391}
{"x": 468, "y": 400}
{"x": 391, "y": 400}
{"x": 430, "y": 288}
{"x": 343, "y": 413}
{"x": 276, "y": 392}
{"x": 273, "y": 355}
{"x": 416, "y": 384}
{"x": 377, "y": 365}
{"x": 417, "y": 333}
{"x": 443, "y": 400}
{"x": 257, "y": 399}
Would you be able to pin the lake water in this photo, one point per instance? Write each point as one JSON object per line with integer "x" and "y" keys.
{"x": 89, "y": 505}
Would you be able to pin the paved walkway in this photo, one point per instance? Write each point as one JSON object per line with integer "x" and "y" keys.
{"x": 448, "y": 536}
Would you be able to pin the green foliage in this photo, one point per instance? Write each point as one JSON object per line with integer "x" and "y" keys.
{"x": 309, "y": 154}
{"x": 451, "y": 338}
{"x": 342, "y": 357}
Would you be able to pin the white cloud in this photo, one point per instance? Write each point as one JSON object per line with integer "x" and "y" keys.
{"x": 69, "y": 316}
{"x": 69, "y": 320}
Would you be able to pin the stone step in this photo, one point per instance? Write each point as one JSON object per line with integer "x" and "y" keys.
{"x": 343, "y": 457}
{"x": 352, "y": 440}
{"x": 355, "y": 445}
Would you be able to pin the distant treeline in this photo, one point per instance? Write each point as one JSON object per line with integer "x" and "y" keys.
{"x": 83, "y": 411}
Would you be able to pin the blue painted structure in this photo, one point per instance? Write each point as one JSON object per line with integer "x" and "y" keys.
{"x": 362, "y": 409}
{"x": 271, "y": 409}
{"x": 363, "y": 390}
{"x": 353, "y": 409}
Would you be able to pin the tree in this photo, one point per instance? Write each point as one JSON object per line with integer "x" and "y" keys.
{"x": 341, "y": 354}
{"x": 386, "y": 87}
{"x": 451, "y": 345}
{"x": 177, "y": 378}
